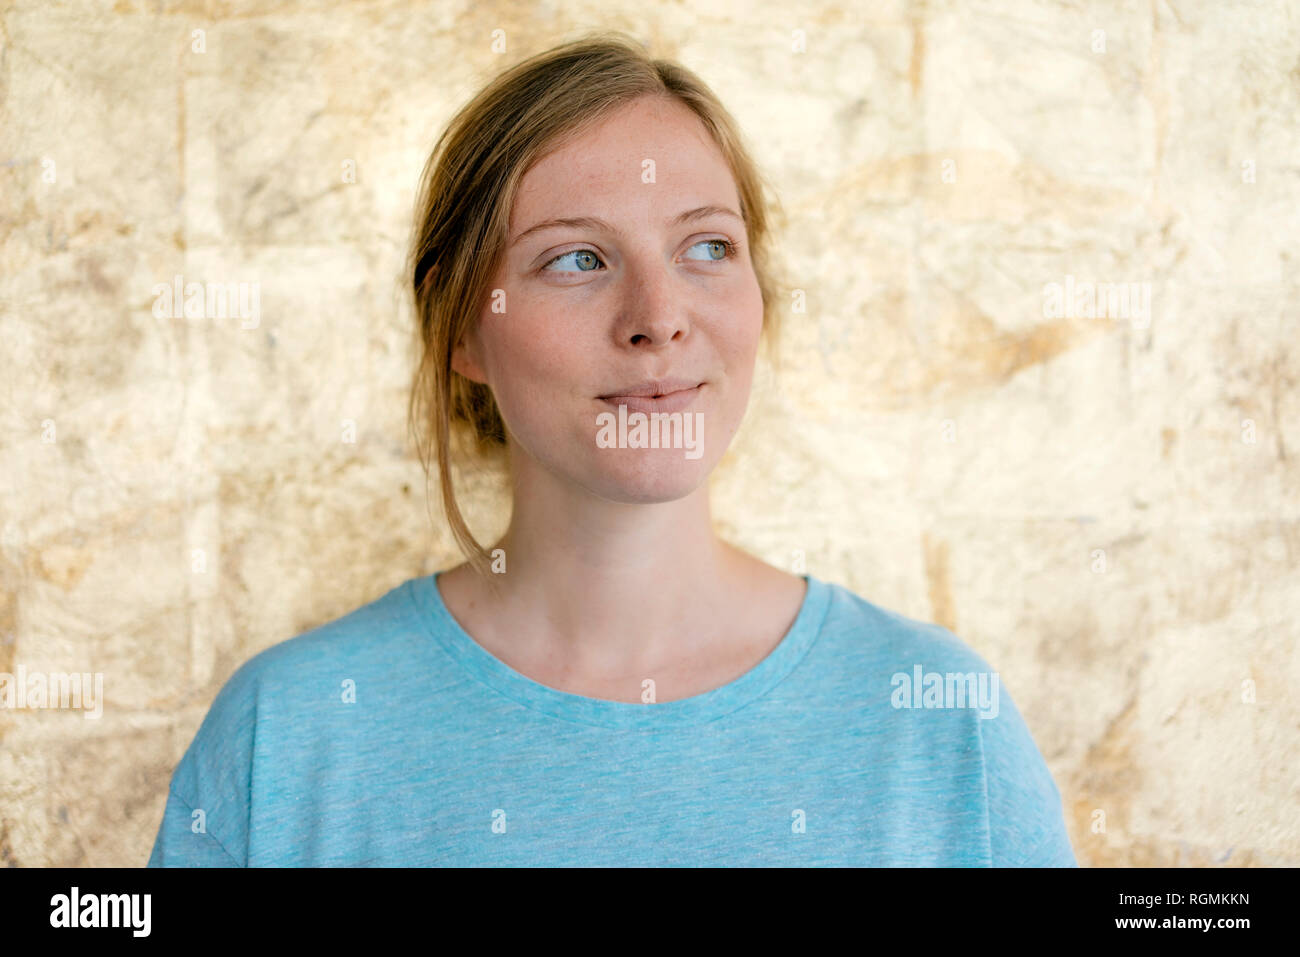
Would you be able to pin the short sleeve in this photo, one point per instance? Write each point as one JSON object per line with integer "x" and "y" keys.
{"x": 1053, "y": 851}
{"x": 206, "y": 819}
{"x": 1026, "y": 817}
{"x": 181, "y": 841}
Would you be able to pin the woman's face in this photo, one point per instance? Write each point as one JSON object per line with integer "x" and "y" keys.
{"x": 582, "y": 313}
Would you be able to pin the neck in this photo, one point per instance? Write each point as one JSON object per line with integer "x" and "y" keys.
{"x": 609, "y": 586}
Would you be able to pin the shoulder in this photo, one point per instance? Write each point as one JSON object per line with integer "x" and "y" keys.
{"x": 357, "y": 640}
{"x": 936, "y": 691}
{"x": 861, "y": 627}
{"x": 281, "y": 689}
{"x": 923, "y": 666}
{"x": 277, "y": 705}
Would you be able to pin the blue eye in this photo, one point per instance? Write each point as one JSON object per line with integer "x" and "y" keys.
{"x": 589, "y": 257}
{"x": 728, "y": 248}
{"x": 574, "y": 252}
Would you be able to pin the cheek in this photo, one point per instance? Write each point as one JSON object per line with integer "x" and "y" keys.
{"x": 740, "y": 346}
{"x": 744, "y": 331}
{"x": 530, "y": 361}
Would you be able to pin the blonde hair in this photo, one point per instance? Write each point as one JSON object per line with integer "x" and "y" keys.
{"x": 462, "y": 221}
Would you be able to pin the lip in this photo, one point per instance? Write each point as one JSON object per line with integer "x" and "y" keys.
{"x": 657, "y": 395}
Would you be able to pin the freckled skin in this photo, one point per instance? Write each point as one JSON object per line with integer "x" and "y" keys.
{"x": 651, "y": 302}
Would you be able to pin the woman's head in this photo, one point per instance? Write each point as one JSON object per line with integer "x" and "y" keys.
{"x": 525, "y": 331}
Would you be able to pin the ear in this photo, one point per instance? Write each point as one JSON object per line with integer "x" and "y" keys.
{"x": 467, "y": 357}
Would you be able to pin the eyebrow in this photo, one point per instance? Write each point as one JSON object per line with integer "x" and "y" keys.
{"x": 591, "y": 222}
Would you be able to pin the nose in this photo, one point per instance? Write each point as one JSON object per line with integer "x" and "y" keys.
{"x": 654, "y": 314}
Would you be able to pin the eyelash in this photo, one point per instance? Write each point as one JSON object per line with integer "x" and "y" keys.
{"x": 730, "y": 247}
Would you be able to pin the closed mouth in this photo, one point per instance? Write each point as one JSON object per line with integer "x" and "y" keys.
{"x": 674, "y": 400}
{"x": 653, "y": 389}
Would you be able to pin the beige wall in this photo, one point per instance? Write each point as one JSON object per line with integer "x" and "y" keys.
{"x": 937, "y": 441}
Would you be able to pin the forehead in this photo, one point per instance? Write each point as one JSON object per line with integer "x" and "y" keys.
{"x": 602, "y": 171}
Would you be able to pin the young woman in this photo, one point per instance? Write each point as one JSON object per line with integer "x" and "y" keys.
{"x": 610, "y": 683}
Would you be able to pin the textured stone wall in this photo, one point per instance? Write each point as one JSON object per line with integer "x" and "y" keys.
{"x": 1104, "y": 506}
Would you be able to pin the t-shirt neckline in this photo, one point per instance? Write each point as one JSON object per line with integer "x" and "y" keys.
{"x": 696, "y": 709}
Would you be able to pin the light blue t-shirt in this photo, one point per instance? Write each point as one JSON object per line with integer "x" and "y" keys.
{"x": 389, "y": 737}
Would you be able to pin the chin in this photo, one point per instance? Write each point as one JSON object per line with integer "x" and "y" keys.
{"x": 646, "y": 476}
